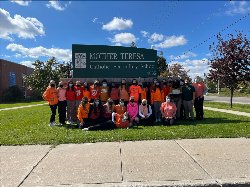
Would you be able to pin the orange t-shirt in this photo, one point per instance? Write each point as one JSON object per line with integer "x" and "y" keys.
{"x": 86, "y": 93}
{"x": 156, "y": 95}
{"x": 120, "y": 109}
{"x": 83, "y": 112}
{"x": 120, "y": 122}
{"x": 124, "y": 94}
{"x": 104, "y": 95}
{"x": 135, "y": 90}
{"x": 144, "y": 93}
{"x": 200, "y": 87}
{"x": 168, "y": 109}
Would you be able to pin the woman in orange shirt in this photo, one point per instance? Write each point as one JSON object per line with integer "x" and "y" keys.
{"x": 123, "y": 92}
{"x": 156, "y": 100}
{"x": 51, "y": 95}
{"x": 86, "y": 91}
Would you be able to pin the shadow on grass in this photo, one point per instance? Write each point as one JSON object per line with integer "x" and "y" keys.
{"x": 210, "y": 121}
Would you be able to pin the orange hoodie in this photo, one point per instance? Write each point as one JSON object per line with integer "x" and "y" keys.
{"x": 83, "y": 112}
{"x": 51, "y": 95}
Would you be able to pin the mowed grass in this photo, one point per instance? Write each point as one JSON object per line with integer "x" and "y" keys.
{"x": 30, "y": 126}
{"x": 11, "y": 105}
{"x": 227, "y": 106}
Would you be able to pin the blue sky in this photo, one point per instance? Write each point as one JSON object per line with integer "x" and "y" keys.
{"x": 182, "y": 30}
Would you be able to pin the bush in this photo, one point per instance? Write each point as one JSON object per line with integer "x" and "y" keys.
{"x": 12, "y": 94}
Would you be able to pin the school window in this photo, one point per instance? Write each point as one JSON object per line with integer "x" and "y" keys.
{"x": 12, "y": 79}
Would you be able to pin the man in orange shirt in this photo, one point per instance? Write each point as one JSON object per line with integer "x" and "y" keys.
{"x": 200, "y": 88}
{"x": 135, "y": 90}
{"x": 51, "y": 95}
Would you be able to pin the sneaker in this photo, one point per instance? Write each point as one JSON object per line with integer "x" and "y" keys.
{"x": 85, "y": 129}
{"x": 60, "y": 124}
{"x": 54, "y": 123}
{"x": 51, "y": 124}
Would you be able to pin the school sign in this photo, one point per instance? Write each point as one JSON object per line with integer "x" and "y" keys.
{"x": 100, "y": 61}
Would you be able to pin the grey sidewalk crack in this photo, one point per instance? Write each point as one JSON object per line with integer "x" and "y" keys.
{"x": 121, "y": 163}
{"x": 34, "y": 167}
{"x": 195, "y": 160}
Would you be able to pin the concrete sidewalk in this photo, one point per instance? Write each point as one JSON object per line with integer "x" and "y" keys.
{"x": 195, "y": 162}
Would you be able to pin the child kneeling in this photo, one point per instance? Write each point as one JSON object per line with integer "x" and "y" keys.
{"x": 118, "y": 121}
{"x": 168, "y": 111}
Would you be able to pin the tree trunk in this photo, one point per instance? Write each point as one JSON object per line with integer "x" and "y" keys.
{"x": 231, "y": 96}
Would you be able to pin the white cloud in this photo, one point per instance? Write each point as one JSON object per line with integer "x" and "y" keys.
{"x": 172, "y": 41}
{"x": 183, "y": 56}
{"x": 28, "y": 63}
{"x": 237, "y": 7}
{"x": 36, "y": 52}
{"x": 20, "y": 26}
{"x": 123, "y": 38}
{"x": 156, "y": 38}
{"x": 197, "y": 67}
{"x": 118, "y": 24}
{"x": 22, "y": 3}
{"x": 145, "y": 34}
{"x": 57, "y": 6}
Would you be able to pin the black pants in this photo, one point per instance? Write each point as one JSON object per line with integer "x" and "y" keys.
{"x": 53, "y": 110}
{"x": 147, "y": 121}
{"x": 198, "y": 105}
{"x": 108, "y": 125}
{"x": 62, "y": 111}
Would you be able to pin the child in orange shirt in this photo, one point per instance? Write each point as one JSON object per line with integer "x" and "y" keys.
{"x": 83, "y": 113}
{"x": 168, "y": 110}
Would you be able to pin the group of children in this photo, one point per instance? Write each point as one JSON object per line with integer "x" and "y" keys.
{"x": 102, "y": 106}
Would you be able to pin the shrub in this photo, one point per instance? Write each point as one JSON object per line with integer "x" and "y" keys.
{"x": 12, "y": 94}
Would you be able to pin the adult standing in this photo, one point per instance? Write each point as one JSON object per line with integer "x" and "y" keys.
{"x": 62, "y": 103}
{"x": 135, "y": 90}
{"x": 95, "y": 91}
{"x": 123, "y": 92}
{"x": 70, "y": 96}
{"x": 156, "y": 100}
{"x": 200, "y": 88}
{"x": 51, "y": 95}
{"x": 104, "y": 92}
{"x": 188, "y": 96}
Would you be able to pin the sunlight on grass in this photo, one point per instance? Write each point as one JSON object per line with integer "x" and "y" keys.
{"x": 30, "y": 126}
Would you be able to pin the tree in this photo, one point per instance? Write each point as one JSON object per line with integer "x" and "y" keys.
{"x": 177, "y": 70}
{"x": 161, "y": 65}
{"x": 44, "y": 72}
{"x": 230, "y": 63}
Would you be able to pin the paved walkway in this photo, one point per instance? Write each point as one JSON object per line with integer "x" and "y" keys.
{"x": 240, "y": 100}
{"x": 228, "y": 111}
{"x": 18, "y": 107}
{"x": 190, "y": 162}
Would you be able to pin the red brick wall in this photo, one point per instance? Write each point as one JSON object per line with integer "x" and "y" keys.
{"x": 6, "y": 67}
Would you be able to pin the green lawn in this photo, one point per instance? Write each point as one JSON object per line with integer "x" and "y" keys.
{"x": 30, "y": 126}
{"x": 10, "y": 105}
{"x": 236, "y": 106}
